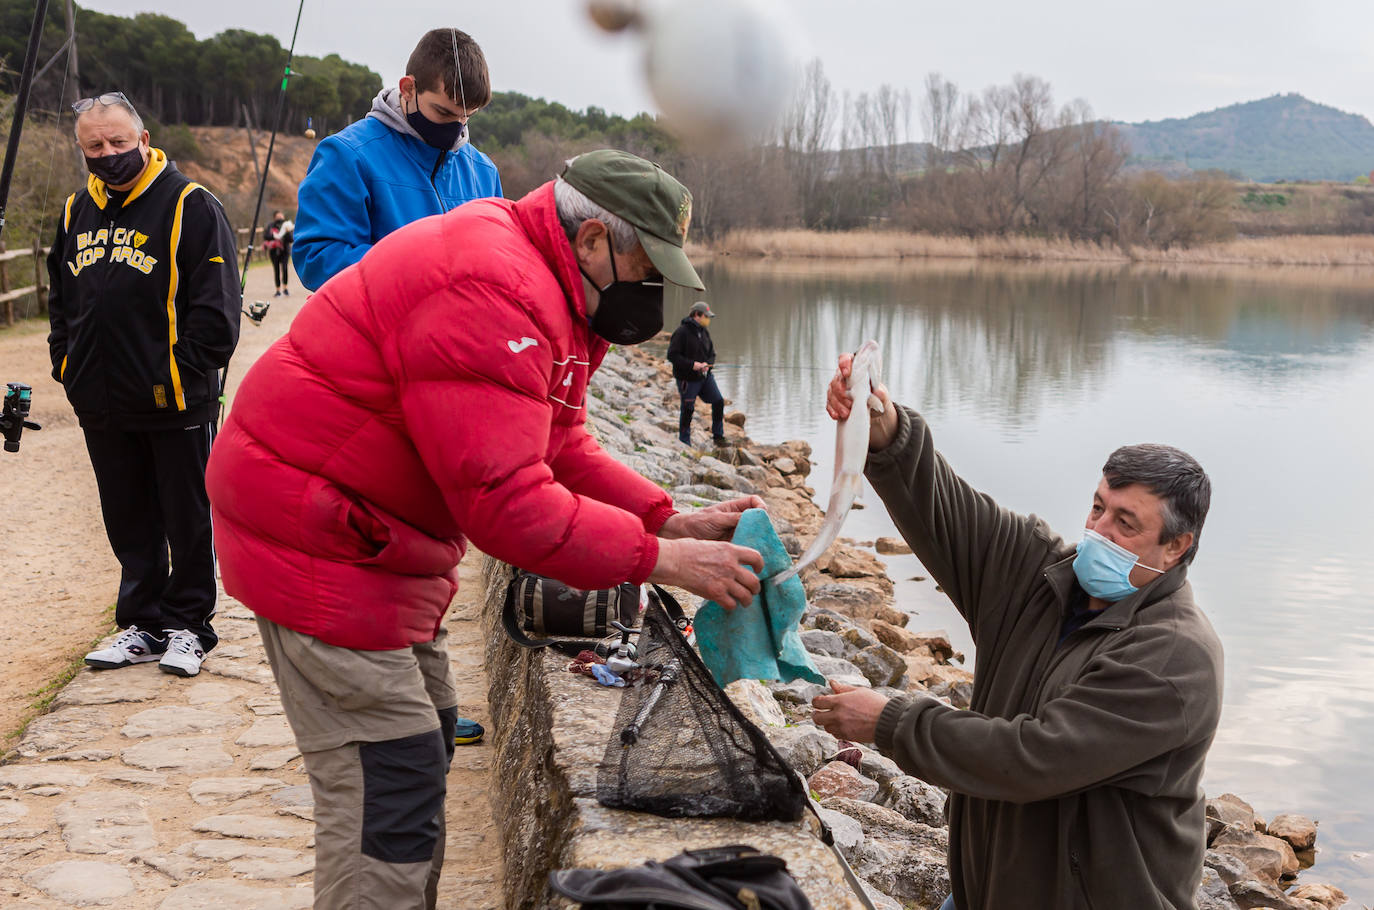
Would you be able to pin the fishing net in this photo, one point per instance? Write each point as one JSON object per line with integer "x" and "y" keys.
{"x": 680, "y": 747}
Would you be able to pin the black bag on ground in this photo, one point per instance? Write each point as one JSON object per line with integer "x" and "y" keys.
{"x": 719, "y": 878}
{"x": 545, "y": 606}
{"x": 680, "y": 748}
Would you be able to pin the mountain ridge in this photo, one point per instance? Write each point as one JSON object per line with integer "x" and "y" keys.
{"x": 1283, "y": 137}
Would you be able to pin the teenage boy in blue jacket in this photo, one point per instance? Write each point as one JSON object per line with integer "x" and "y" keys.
{"x": 408, "y": 158}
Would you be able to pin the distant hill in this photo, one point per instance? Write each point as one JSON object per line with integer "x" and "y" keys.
{"x": 1283, "y": 137}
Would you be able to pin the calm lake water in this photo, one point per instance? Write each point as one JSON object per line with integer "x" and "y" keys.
{"x": 1031, "y": 375}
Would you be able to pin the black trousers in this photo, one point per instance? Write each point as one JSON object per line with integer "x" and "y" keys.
{"x": 281, "y": 266}
{"x": 152, "y": 495}
{"x": 704, "y": 388}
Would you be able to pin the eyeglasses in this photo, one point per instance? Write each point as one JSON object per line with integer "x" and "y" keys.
{"x": 105, "y": 100}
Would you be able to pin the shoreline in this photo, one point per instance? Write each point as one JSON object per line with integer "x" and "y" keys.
{"x": 1306, "y": 250}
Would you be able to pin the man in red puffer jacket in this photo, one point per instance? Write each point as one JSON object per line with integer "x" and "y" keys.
{"x": 431, "y": 394}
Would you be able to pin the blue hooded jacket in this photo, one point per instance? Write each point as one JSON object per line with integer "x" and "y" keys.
{"x": 373, "y": 177}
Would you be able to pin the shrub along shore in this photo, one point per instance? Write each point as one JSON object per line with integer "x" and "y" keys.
{"x": 889, "y": 825}
{"x": 1304, "y": 250}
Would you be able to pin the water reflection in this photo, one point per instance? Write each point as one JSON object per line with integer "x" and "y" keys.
{"x": 1030, "y": 375}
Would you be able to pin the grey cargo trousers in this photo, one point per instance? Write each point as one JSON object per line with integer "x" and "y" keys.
{"x": 376, "y": 731}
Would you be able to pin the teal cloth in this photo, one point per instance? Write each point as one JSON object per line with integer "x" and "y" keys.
{"x": 759, "y": 640}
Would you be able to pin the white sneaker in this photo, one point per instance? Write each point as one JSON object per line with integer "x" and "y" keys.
{"x": 184, "y": 653}
{"x": 133, "y": 646}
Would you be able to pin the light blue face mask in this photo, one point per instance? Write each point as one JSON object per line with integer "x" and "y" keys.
{"x": 1104, "y": 568}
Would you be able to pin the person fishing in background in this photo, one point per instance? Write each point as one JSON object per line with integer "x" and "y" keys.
{"x": 408, "y": 158}
{"x": 279, "y": 236}
{"x": 1076, "y": 774}
{"x": 693, "y": 355}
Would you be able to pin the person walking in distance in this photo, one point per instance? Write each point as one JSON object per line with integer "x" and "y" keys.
{"x": 279, "y": 235}
{"x": 693, "y": 355}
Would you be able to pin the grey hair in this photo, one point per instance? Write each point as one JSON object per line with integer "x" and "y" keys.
{"x": 574, "y": 208}
{"x": 1184, "y": 489}
{"x": 126, "y": 106}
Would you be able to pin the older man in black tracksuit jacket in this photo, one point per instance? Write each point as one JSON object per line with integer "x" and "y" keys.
{"x": 144, "y": 309}
{"x": 692, "y": 355}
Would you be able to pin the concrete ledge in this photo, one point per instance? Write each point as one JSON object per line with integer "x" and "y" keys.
{"x": 550, "y": 731}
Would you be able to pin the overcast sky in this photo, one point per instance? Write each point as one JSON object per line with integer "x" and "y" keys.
{"x": 1130, "y": 61}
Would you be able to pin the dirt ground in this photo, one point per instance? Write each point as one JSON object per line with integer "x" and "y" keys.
{"x": 58, "y": 579}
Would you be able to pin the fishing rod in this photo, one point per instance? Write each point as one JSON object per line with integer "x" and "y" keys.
{"x": 258, "y": 309}
{"x": 771, "y": 366}
{"x": 21, "y": 105}
{"x": 267, "y": 163}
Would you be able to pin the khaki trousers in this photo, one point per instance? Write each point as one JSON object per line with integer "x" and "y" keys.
{"x": 376, "y": 731}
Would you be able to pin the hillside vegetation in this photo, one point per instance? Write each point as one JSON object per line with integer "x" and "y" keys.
{"x": 1283, "y": 137}
{"x": 1005, "y": 162}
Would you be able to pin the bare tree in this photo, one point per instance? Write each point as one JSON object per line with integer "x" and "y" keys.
{"x": 807, "y": 128}
{"x": 1094, "y": 156}
{"x": 941, "y": 116}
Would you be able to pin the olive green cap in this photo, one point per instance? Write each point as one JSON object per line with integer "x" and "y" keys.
{"x": 657, "y": 206}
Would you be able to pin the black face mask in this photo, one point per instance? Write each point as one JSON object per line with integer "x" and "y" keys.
{"x": 436, "y": 135}
{"x": 119, "y": 168}
{"x": 628, "y": 312}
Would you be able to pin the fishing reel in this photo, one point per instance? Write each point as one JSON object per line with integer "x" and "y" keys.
{"x": 618, "y": 651}
{"x": 256, "y": 311}
{"x": 14, "y": 414}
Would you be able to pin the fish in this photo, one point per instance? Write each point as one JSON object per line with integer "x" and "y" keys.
{"x": 851, "y": 451}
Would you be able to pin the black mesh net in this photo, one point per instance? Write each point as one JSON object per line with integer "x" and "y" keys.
{"x": 681, "y": 748}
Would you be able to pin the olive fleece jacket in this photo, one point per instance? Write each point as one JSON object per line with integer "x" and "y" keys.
{"x": 1075, "y": 776}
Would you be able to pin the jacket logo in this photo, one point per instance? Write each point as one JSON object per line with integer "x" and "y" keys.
{"x": 121, "y": 245}
{"x": 525, "y": 342}
{"x": 160, "y": 396}
{"x": 219, "y": 259}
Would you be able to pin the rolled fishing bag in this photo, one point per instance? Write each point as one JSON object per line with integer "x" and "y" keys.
{"x": 718, "y": 878}
{"x": 541, "y": 606}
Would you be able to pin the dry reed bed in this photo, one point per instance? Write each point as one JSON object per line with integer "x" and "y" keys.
{"x": 1288, "y": 250}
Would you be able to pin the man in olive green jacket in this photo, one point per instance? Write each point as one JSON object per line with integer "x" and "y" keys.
{"x": 1075, "y": 776}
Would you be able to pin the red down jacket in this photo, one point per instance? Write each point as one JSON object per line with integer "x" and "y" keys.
{"x": 431, "y": 394}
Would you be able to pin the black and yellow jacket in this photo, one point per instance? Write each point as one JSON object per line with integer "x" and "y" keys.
{"x": 144, "y": 302}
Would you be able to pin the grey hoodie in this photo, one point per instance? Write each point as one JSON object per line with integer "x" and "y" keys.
{"x": 386, "y": 107}
{"x": 1076, "y": 773}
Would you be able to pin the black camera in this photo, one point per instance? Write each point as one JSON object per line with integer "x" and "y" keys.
{"x": 14, "y": 417}
{"x": 256, "y": 310}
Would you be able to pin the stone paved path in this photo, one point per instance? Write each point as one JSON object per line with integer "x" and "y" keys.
{"x": 144, "y": 790}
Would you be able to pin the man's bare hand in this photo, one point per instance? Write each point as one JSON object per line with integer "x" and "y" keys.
{"x": 851, "y": 713}
{"x": 712, "y": 569}
{"x": 715, "y": 522}
{"x": 882, "y": 428}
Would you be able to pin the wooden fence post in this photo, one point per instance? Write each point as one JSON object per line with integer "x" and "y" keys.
{"x": 39, "y": 273}
{"x": 5, "y": 287}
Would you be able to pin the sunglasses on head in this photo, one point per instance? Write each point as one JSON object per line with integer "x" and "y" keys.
{"x": 105, "y": 100}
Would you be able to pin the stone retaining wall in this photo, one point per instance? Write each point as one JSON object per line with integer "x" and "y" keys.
{"x": 551, "y": 728}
